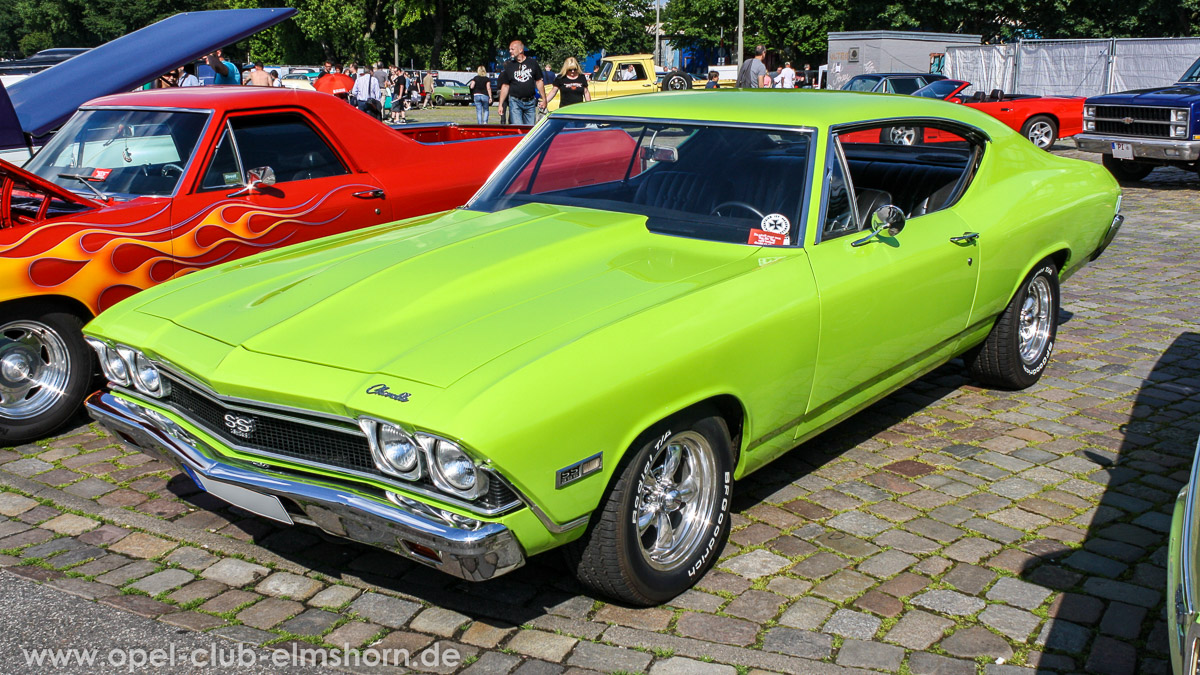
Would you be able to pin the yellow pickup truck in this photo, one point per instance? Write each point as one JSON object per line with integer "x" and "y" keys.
{"x": 633, "y": 74}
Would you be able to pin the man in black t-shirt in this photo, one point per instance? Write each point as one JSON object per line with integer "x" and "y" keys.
{"x": 520, "y": 81}
{"x": 399, "y": 96}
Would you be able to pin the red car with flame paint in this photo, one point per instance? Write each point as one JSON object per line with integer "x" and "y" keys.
{"x": 1041, "y": 119}
{"x": 140, "y": 188}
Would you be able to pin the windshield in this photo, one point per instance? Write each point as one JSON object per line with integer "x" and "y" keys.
{"x": 717, "y": 183}
{"x": 861, "y": 83}
{"x": 1192, "y": 74}
{"x": 121, "y": 153}
{"x": 939, "y": 89}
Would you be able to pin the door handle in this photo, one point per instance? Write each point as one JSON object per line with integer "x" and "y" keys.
{"x": 1006, "y": 110}
{"x": 965, "y": 238}
{"x": 369, "y": 194}
{"x": 647, "y": 85}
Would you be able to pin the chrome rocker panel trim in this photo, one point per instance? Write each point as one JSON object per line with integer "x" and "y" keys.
{"x": 470, "y": 549}
{"x": 1182, "y": 610}
{"x": 1149, "y": 148}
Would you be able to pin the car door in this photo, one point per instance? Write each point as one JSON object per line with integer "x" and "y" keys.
{"x": 613, "y": 82}
{"x": 316, "y": 191}
{"x": 889, "y": 303}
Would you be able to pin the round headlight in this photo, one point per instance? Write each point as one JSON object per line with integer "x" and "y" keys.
{"x": 146, "y": 374}
{"x": 115, "y": 367}
{"x": 399, "y": 449}
{"x": 455, "y": 466}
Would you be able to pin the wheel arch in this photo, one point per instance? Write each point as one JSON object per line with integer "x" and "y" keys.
{"x": 61, "y": 302}
{"x": 1060, "y": 255}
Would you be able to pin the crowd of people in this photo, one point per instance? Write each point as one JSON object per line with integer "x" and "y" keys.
{"x": 523, "y": 83}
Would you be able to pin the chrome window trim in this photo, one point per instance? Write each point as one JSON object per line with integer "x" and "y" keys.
{"x": 187, "y": 167}
{"x": 681, "y": 120}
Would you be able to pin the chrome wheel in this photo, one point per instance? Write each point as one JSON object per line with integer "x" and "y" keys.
{"x": 902, "y": 135}
{"x": 1036, "y": 320}
{"x": 34, "y": 368}
{"x": 1042, "y": 134}
{"x": 676, "y": 500}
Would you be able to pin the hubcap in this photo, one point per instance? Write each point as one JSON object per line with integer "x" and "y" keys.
{"x": 903, "y": 135}
{"x": 676, "y": 500}
{"x": 1035, "y": 320}
{"x": 1041, "y": 134}
{"x": 34, "y": 366}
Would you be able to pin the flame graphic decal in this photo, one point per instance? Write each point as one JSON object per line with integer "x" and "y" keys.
{"x": 103, "y": 263}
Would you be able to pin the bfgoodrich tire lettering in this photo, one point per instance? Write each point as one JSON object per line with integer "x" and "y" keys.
{"x": 665, "y": 518}
{"x": 1016, "y": 351}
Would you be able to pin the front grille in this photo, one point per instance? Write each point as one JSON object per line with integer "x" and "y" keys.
{"x": 317, "y": 441}
{"x": 1137, "y": 112}
{"x": 1141, "y": 129}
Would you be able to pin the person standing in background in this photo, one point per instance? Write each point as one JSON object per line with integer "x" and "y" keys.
{"x": 226, "y": 71}
{"x": 521, "y": 86}
{"x": 712, "y": 83}
{"x": 367, "y": 94}
{"x": 258, "y": 76}
{"x": 752, "y": 70}
{"x": 189, "y": 78}
{"x": 399, "y": 93}
{"x": 481, "y": 94}
{"x": 571, "y": 84}
{"x": 428, "y": 84}
{"x": 788, "y": 76}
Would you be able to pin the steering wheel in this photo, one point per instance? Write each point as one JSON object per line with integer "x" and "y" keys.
{"x": 716, "y": 209}
{"x": 176, "y": 167}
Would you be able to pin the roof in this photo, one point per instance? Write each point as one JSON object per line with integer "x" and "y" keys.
{"x": 788, "y": 107}
{"x": 218, "y": 97}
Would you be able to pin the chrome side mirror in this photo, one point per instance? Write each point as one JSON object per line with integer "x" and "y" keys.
{"x": 255, "y": 179}
{"x": 887, "y": 220}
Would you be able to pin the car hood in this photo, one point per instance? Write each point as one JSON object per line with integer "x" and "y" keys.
{"x": 1177, "y": 94}
{"x": 432, "y": 300}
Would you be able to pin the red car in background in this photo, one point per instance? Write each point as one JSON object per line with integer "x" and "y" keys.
{"x": 140, "y": 188}
{"x": 1041, "y": 119}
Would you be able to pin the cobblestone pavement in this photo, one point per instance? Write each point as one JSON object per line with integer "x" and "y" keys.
{"x": 947, "y": 529}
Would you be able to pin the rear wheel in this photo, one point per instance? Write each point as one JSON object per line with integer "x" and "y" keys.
{"x": 439, "y": 100}
{"x": 664, "y": 519}
{"x": 1126, "y": 169}
{"x": 1041, "y": 130}
{"x": 45, "y": 371}
{"x": 901, "y": 135}
{"x": 1016, "y": 352}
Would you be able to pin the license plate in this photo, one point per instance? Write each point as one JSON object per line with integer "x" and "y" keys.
{"x": 1122, "y": 150}
{"x": 267, "y": 506}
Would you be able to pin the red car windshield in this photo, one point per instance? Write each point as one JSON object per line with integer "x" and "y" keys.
{"x": 121, "y": 153}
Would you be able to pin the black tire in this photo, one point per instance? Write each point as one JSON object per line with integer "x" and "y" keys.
{"x": 1041, "y": 130}
{"x": 1014, "y": 355}
{"x": 610, "y": 558}
{"x": 25, "y": 319}
{"x": 676, "y": 81}
{"x": 1126, "y": 169}
{"x": 439, "y": 100}
{"x": 901, "y": 135}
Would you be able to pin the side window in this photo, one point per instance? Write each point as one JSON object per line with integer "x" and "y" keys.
{"x": 287, "y": 144}
{"x": 632, "y": 71}
{"x": 839, "y": 214}
{"x": 904, "y": 85}
{"x": 917, "y": 167}
{"x": 223, "y": 170}
{"x": 605, "y": 72}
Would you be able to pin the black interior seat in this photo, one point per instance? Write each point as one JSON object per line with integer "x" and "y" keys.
{"x": 909, "y": 183}
{"x": 996, "y": 95}
{"x": 867, "y": 201}
{"x": 936, "y": 201}
{"x": 681, "y": 191}
{"x": 977, "y": 97}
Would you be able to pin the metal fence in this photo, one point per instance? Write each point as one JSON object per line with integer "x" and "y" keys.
{"x": 1073, "y": 67}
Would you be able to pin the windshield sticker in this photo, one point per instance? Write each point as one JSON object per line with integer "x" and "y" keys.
{"x": 776, "y": 222}
{"x": 760, "y": 238}
{"x": 232, "y": 178}
{"x": 100, "y": 174}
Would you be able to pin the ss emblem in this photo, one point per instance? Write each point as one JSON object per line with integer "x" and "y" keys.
{"x": 238, "y": 425}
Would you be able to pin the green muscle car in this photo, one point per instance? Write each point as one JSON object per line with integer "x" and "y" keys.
{"x": 450, "y": 91}
{"x": 652, "y": 297}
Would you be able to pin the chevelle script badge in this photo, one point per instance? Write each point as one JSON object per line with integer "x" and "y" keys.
{"x": 382, "y": 390}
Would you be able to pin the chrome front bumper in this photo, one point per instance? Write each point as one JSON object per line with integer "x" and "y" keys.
{"x": 1149, "y": 148}
{"x": 1183, "y": 613}
{"x": 464, "y": 547}
{"x": 1113, "y": 228}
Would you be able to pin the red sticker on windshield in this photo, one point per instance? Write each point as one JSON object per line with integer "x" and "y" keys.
{"x": 762, "y": 238}
{"x": 100, "y": 174}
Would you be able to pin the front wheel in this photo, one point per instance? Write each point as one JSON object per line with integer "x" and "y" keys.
{"x": 439, "y": 100}
{"x": 665, "y": 519}
{"x": 1015, "y": 353}
{"x": 1041, "y": 131}
{"x": 1125, "y": 169}
{"x": 46, "y": 369}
